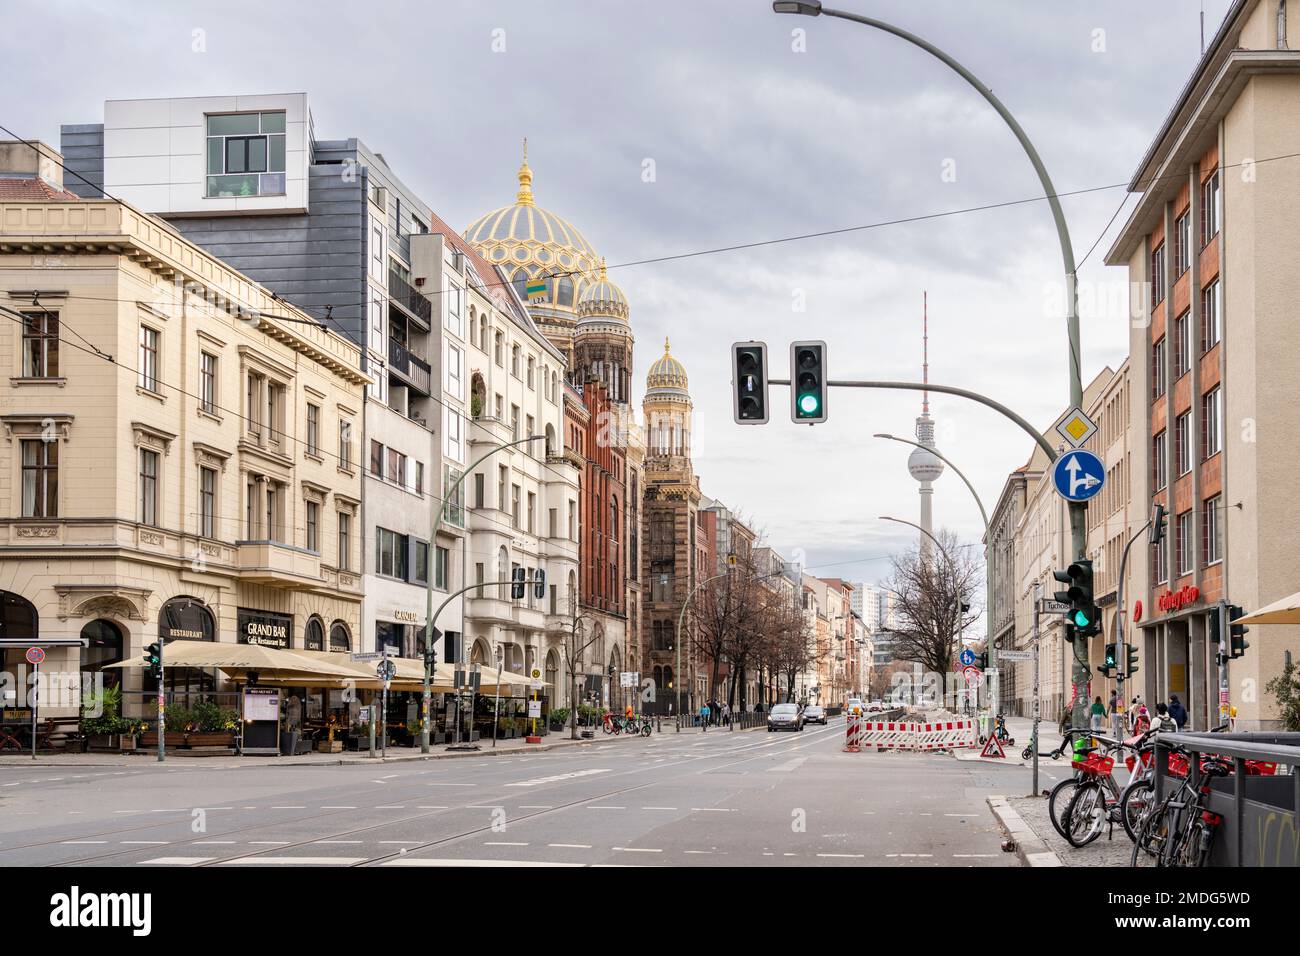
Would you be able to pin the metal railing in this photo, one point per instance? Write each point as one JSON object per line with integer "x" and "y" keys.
{"x": 1261, "y": 813}
{"x": 406, "y": 296}
{"x": 415, "y": 369}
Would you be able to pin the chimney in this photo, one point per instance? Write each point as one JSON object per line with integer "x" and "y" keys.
{"x": 18, "y": 160}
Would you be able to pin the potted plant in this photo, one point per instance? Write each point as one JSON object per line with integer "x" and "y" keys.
{"x": 179, "y": 721}
{"x": 101, "y": 722}
{"x": 211, "y": 726}
{"x": 559, "y": 718}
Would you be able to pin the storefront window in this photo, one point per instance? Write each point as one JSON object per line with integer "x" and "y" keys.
{"x": 314, "y": 636}
{"x": 389, "y": 635}
{"x": 104, "y": 646}
{"x": 186, "y": 619}
{"x": 340, "y": 637}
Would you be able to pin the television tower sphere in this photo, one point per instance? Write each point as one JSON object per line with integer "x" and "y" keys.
{"x": 923, "y": 465}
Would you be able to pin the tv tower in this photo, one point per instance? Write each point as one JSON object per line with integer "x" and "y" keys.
{"x": 922, "y": 464}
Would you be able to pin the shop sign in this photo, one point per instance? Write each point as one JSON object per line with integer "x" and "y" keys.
{"x": 407, "y": 617}
{"x": 185, "y": 619}
{"x": 1177, "y": 600}
{"x": 264, "y": 628}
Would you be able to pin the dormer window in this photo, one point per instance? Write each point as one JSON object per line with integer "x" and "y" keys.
{"x": 246, "y": 154}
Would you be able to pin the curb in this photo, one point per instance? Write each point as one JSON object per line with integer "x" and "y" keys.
{"x": 1030, "y": 850}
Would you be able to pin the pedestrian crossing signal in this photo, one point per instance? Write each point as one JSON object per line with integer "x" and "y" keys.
{"x": 539, "y": 583}
{"x": 1109, "y": 665}
{"x": 518, "y": 583}
{"x": 153, "y": 660}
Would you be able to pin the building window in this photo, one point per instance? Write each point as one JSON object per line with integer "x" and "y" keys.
{"x": 421, "y": 572}
{"x": 514, "y": 422}
{"x": 246, "y": 153}
{"x": 1160, "y": 558}
{"x": 454, "y": 296}
{"x": 419, "y": 478}
{"x": 440, "y": 568}
{"x": 1182, "y": 345}
{"x": 313, "y": 526}
{"x": 453, "y": 435}
{"x": 455, "y": 384}
{"x": 253, "y": 405}
{"x": 390, "y": 553}
{"x": 207, "y": 502}
{"x": 147, "y": 377}
{"x": 345, "y": 541}
{"x": 532, "y": 372}
{"x": 573, "y": 521}
{"x": 514, "y": 360}
{"x": 40, "y": 478}
{"x": 502, "y": 472}
{"x": 1183, "y": 243}
{"x": 453, "y": 495}
{"x": 376, "y": 459}
{"x": 498, "y": 348}
{"x": 208, "y": 382}
{"x": 313, "y": 429}
{"x": 1159, "y": 461}
{"x": 1212, "y": 530}
{"x": 1158, "y": 378}
{"x": 532, "y": 513}
{"x": 396, "y": 472}
{"x": 1182, "y": 444}
{"x": 40, "y": 345}
{"x": 1211, "y": 323}
{"x": 514, "y": 506}
{"x": 1183, "y": 531}
{"x": 1158, "y": 274}
{"x": 272, "y": 502}
{"x": 148, "y": 487}
{"x": 345, "y": 446}
{"x": 1212, "y": 422}
{"x": 1211, "y": 208}
{"x": 479, "y": 490}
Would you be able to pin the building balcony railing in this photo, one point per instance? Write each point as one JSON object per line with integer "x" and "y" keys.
{"x": 414, "y": 371}
{"x": 405, "y": 296}
{"x": 277, "y": 564}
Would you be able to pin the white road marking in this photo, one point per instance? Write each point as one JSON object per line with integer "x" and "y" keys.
{"x": 658, "y": 808}
{"x": 145, "y": 842}
{"x": 605, "y": 806}
{"x": 534, "y": 806}
{"x": 842, "y": 856}
{"x": 177, "y": 861}
{"x": 909, "y": 856}
{"x": 635, "y": 849}
{"x": 289, "y": 808}
{"x": 713, "y": 809}
{"x": 415, "y": 861}
{"x": 338, "y": 808}
{"x": 698, "y": 851}
{"x": 788, "y": 766}
{"x": 538, "y": 781}
{"x": 268, "y": 842}
{"x": 422, "y": 807}
{"x": 974, "y": 856}
{"x": 295, "y": 861}
{"x": 212, "y": 843}
{"x": 341, "y": 842}
{"x": 389, "y": 806}
{"x": 84, "y": 842}
{"x": 503, "y": 843}
{"x": 571, "y": 846}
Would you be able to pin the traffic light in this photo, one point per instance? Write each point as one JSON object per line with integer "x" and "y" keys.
{"x": 1131, "y": 652}
{"x": 808, "y": 382}
{"x": 1236, "y": 632}
{"x": 1109, "y": 665}
{"x": 1069, "y": 633}
{"x": 983, "y": 661}
{"x": 1084, "y": 613}
{"x": 749, "y": 382}
{"x": 539, "y": 583}
{"x": 518, "y": 582}
{"x": 153, "y": 660}
{"x": 1158, "y": 524}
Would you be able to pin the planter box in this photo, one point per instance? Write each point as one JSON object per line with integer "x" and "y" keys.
{"x": 175, "y": 738}
{"x": 332, "y": 746}
{"x": 105, "y": 742}
{"x": 215, "y": 738}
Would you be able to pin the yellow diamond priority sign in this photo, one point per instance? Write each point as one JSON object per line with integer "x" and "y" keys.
{"x": 1076, "y": 427}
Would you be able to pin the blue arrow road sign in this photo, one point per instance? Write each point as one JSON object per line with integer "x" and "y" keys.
{"x": 1078, "y": 475}
{"x": 968, "y": 657}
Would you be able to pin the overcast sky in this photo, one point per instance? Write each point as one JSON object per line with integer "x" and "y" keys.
{"x": 751, "y": 135}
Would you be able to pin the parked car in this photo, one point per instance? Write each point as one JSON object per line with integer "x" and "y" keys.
{"x": 814, "y": 714}
{"x": 784, "y": 717}
{"x": 876, "y": 707}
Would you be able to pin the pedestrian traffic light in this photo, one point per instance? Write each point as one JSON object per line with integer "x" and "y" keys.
{"x": 749, "y": 382}
{"x": 1236, "y": 632}
{"x": 808, "y": 382}
{"x": 518, "y": 583}
{"x": 1084, "y": 613}
{"x": 1131, "y": 652}
{"x": 153, "y": 660}
{"x": 539, "y": 583}
{"x": 1109, "y": 664}
{"x": 1158, "y": 523}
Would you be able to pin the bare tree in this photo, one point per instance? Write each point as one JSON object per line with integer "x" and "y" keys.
{"x": 929, "y": 594}
{"x": 576, "y": 642}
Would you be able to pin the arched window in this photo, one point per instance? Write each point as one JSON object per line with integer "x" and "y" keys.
{"x": 340, "y": 637}
{"x": 103, "y": 646}
{"x": 186, "y": 618}
{"x": 313, "y": 637}
{"x": 18, "y": 620}
{"x": 553, "y": 671}
{"x": 482, "y": 334}
{"x": 477, "y": 396}
{"x": 613, "y": 518}
{"x": 498, "y": 349}
{"x": 572, "y": 593}
{"x": 564, "y": 291}
{"x": 514, "y": 360}
{"x": 520, "y": 281}
{"x": 550, "y": 441}
{"x": 668, "y": 678}
{"x": 554, "y": 386}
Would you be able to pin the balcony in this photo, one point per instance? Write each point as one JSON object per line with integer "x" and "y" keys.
{"x": 404, "y": 295}
{"x": 277, "y": 565}
{"x": 414, "y": 371}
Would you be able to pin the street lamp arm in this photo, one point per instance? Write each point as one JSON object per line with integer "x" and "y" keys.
{"x": 937, "y": 454}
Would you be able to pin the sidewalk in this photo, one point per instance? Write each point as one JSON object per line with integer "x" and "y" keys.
{"x": 1021, "y": 729}
{"x": 178, "y": 758}
{"x": 1026, "y": 820}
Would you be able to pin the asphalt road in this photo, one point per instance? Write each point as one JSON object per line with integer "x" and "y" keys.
{"x": 689, "y": 799}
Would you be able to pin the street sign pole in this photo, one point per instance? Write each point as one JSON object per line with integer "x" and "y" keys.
{"x": 371, "y": 709}
{"x": 383, "y": 739}
{"x": 36, "y": 702}
{"x": 162, "y": 702}
{"x": 1037, "y": 710}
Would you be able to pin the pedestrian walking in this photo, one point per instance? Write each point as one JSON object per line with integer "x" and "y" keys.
{"x": 704, "y": 717}
{"x": 1177, "y": 711}
{"x": 726, "y": 714}
{"x": 1098, "y": 715}
{"x": 1138, "y": 708}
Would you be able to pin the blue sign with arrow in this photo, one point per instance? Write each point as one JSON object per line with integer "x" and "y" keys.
{"x": 967, "y": 657}
{"x": 1078, "y": 475}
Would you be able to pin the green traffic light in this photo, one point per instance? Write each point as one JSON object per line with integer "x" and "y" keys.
{"x": 1080, "y": 619}
{"x": 808, "y": 404}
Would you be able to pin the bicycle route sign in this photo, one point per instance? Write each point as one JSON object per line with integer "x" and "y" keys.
{"x": 967, "y": 657}
{"x": 385, "y": 670}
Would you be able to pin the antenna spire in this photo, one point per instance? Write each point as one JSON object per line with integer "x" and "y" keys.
{"x": 925, "y": 352}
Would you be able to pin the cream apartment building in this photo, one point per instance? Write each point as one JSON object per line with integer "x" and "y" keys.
{"x": 180, "y": 449}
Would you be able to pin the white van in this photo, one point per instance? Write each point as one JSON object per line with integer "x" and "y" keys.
{"x": 854, "y": 706}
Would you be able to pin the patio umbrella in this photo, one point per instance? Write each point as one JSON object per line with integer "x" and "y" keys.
{"x": 227, "y": 656}
{"x": 1285, "y": 611}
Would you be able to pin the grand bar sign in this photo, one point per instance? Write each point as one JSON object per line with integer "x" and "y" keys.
{"x": 264, "y": 628}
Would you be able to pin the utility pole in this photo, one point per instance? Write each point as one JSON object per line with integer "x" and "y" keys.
{"x": 1037, "y": 709}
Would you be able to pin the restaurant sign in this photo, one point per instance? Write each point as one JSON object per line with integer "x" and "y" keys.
{"x": 264, "y": 628}
{"x": 1177, "y": 600}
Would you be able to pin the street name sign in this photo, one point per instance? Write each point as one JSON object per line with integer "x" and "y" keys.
{"x": 1015, "y": 655}
{"x": 1049, "y": 606}
{"x": 1076, "y": 427}
{"x": 363, "y": 656}
{"x": 1078, "y": 475}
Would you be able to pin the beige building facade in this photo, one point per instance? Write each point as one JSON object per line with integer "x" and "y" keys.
{"x": 180, "y": 449}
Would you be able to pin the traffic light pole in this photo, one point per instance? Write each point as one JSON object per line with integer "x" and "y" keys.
{"x": 162, "y": 703}
{"x": 1225, "y": 645}
{"x": 1121, "y": 656}
{"x": 449, "y": 494}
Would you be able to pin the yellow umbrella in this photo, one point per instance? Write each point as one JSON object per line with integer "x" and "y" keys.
{"x": 229, "y": 656}
{"x": 1285, "y": 611}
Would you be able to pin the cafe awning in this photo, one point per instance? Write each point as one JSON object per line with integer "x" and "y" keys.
{"x": 1285, "y": 611}
{"x": 227, "y": 656}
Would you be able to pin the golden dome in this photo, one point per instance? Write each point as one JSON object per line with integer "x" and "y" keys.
{"x": 666, "y": 377}
{"x": 603, "y": 300}
{"x": 527, "y": 241}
